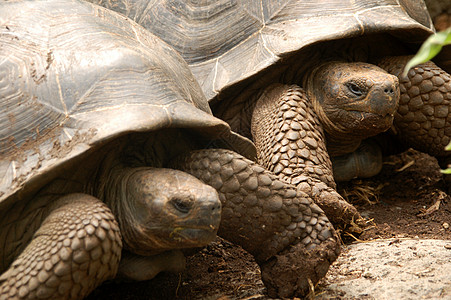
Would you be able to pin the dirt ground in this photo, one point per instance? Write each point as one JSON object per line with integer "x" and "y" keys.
{"x": 407, "y": 199}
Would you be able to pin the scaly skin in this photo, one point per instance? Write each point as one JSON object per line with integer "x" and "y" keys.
{"x": 290, "y": 142}
{"x": 288, "y": 136}
{"x": 278, "y": 224}
{"x": 77, "y": 247}
{"x": 423, "y": 118}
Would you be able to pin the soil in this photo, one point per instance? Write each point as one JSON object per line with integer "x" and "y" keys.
{"x": 407, "y": 199}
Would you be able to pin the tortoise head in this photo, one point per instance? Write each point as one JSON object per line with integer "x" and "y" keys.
{"x": 161, "y": 209}
{"x": 353, "y": 99}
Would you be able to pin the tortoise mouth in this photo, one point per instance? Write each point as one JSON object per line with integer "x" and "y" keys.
{"x": 157, "y": 239}
{"x": 372, "y": 115}
{"x": 370, "y": 123}
{"x": 184, "y": 236}
{"x": 197, "y": 236}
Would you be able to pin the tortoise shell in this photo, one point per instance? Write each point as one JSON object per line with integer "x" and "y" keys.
{"x": 226, "y": 42}
{"x": 74, "y": 76}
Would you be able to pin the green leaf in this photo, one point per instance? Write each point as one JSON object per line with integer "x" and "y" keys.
{"x": 447, "y": 171}
{"x": 447, "y": 148}
{"x": 430, "y": 48}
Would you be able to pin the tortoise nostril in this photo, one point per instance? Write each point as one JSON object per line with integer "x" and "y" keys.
{"x": 389, "y": 90}
{"x": 215, "y": 206}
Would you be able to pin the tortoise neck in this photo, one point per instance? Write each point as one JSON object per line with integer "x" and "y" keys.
{"x": 340, "y": 144}
{"x": 117, "y": 195}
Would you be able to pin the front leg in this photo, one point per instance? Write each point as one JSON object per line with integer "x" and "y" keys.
{"x": 290, "y": 236}
{"x": 76, "y": 248}
{"x": 288, "y": 135}
{"x": 423, "y": 119}
{"x": 291, "y": 143}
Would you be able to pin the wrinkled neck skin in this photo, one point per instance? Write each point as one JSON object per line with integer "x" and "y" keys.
{"x": 112, "y": 188}
{"x": 115, "y": 193}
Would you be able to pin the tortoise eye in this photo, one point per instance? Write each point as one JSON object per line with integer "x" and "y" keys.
{"x": 181, "y": 205}
{"x": 355, "y": 89}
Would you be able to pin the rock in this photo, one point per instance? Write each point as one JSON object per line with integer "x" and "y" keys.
{"x": 390, "y": 269}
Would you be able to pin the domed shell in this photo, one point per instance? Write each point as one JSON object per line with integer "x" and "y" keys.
{"x": 226, "y": 42}
{"x": 73, "y": 76}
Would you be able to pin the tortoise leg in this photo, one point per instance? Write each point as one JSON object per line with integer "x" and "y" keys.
{"x": 291, "y": 143}
{"x": 423, "y": 119}
{"x": 76, "y": 248}
{"x": 279, "y": 225}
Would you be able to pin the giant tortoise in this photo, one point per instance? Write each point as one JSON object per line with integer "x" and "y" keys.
{"x": 305, "y": 80}
{"x": 94, "y": 109}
